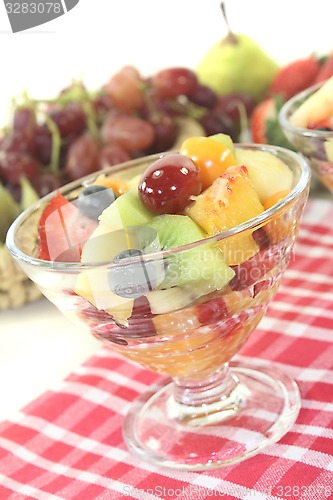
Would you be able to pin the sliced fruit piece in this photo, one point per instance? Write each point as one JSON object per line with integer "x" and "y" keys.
{"x": 275, "y": 198}
{"x": 93, "y": 286}
{"x": 211, "y": 156}
{"x": 62, "y": 231}
{"x": 218, "y": 209}
{"x": 268, "y": 174}
{"x": 253, "y": 270}
{"x": 226, "y": 140}
{"x": 178, "y": 297}
{"x": 126, "y": 211}
{"x": 201, "y": 263}
{"x": 317, "y": 107}
{"x": 119, "y": 186}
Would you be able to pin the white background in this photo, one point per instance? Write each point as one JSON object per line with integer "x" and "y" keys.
{"x": 37, "y": 345}
{"x": 98, "y": 37}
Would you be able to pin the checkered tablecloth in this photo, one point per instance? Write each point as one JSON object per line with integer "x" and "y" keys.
{"x": 68, "y": 443}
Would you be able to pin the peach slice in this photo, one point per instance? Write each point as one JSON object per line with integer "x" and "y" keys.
{"x": 219, "y": 208}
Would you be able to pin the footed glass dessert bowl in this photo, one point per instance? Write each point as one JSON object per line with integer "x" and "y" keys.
{"x": 177, "y": 300}
{"x": 307, "y": 121}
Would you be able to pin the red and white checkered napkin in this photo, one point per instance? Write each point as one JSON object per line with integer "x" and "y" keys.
{"x": 68, "y": 443}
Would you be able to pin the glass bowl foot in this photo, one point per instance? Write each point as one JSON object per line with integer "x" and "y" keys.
{"x": 262, "y": 404}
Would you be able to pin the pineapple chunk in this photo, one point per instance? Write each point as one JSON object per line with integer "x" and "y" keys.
{"x": 317, "y": 107}
{"x": 229, "y": 201}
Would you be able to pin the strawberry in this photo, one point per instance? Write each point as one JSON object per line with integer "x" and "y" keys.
{"x": 295, "y": 77}
{"x": 264, "y": 125}
{"x": 62, "y": 231}
{"x": 326, "y": 124}
{"x": 326, "y": 70}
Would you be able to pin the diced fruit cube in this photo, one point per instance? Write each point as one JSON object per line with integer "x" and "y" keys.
{"x": 268, "y": 174}
{"x": 211, "y": 156}
{"x": 229, "y": 201}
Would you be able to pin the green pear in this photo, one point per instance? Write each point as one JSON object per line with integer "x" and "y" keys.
{"x": 237, "y": 64}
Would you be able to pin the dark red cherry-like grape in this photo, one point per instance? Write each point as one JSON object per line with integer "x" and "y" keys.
{"x": 173, "y": 82}
{"x": 167, "y": 184}
{"x": 19, "y": 141}
{"x": 165, "y": 132}
{"x": 234, "y": 104}
{"x": 203, "y": 96}
{"x": 24, "y": 119}
{"x": 43, "y": 144}
{"x": 70, "y": 120}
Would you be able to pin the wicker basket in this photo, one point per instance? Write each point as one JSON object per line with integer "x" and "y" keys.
{"x": 15, "y": 288}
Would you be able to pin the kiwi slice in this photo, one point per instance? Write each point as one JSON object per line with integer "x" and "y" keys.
{"x": 202, "y": 263}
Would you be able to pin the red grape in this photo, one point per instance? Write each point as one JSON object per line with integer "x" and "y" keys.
{"x": 173, "y": 82}
{"x": 230, "y": 105}
{"x": 43, "y": 144}
{"x": 113, "y": 154}
{"x": 24, "y": 118}
{"x": 20, "y": 141}
{"x": 70, "y": 120}
{"x": 82, "y": 158}
{"x": 130, "y": 132}
{"x": 125, "y": 90}
{"x": 13, "y": 166}
{"x": 167, "y": 184}
{"x": 203, "y": 96}
{"x": 102, "y": 104}
{"x": 165, "y": 132}
{"x": 216, "y": 123}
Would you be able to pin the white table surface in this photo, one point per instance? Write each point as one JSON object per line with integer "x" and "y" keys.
{"x": 38, "y": 346}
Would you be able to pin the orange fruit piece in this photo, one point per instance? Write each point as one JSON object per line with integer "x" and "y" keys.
{"x": 211, "y": 157}
{"x": 275, "y": 198}
{"x": 119, "y": 186}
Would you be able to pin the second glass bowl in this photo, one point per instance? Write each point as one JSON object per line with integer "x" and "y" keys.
{"x": 316, "y": 145}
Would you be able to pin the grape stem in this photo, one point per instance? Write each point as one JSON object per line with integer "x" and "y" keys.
{"x": 56, "y": 144}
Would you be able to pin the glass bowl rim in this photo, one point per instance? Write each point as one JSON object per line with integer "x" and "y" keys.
{"x": 305, "y": 132}
{"x": 259, "y": 220}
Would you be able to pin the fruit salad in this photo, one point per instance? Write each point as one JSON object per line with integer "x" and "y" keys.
{"x": 307, "y": 120}
{"x": 316, "y": 112}
{"x": 164, "y": 273}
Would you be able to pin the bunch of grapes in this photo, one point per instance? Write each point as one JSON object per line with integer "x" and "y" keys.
{"x": 80, "y": 132}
